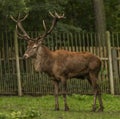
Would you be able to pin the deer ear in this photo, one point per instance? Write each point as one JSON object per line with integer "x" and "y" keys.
{"x": 29, "y": 42}
{"x": 40, "y": 42}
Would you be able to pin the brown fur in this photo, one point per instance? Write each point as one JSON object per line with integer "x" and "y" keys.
{"x": 62, "y": 65}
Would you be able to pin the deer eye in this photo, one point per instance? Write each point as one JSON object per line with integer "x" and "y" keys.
{"x": 34, "y": 46}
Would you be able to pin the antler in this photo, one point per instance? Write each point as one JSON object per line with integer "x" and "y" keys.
{"x": 25, "y": 36}
{"x": 19, "y": 25}
{"x": 56, "y": 17}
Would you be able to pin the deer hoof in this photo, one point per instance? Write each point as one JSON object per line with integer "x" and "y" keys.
{"x": 100, "y": 109}
{"x": 66, "y": 108}
{"x": 93, "y": 109}
{"x": 57, "y": 109}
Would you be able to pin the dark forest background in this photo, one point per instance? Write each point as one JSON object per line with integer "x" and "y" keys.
{"x": 81, "y": 15}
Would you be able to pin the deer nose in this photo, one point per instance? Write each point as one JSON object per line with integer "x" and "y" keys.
{"x": 25, "y": 56}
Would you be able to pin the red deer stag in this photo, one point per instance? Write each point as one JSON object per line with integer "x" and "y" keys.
{"x": 61, "y": 64}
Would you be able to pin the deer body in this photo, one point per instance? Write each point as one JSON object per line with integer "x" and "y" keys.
{"x": 61, "y": 64}
{"x": 65, "y": 63}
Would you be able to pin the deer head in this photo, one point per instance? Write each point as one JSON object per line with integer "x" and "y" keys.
{"x": 34, "y": 43}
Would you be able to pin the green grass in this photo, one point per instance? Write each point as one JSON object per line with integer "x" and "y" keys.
{"x": 28, "y": 107}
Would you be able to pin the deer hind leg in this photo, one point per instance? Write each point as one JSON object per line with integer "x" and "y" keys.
{"x": 97, "y": 93}
{"x": 56, "y": 89}
{"x": 64, "y": 95}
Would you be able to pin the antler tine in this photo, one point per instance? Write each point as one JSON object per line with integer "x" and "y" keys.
{"x": 19, "y": 17}
{"x": 54, "y": 21}
{"x": 45, "y": 28}
{"x": 51, "y": 14}
{"x": 53, "y": 25}
{"x": 24, "y": 17}
{"x": 13, "y": 18}
{"x": 44, "y": 25}
{"x": 18, "y": 21}
{"x": 56, "y": 15}
{"x": 20, "y": 35}
{"x": 59, "y": 16}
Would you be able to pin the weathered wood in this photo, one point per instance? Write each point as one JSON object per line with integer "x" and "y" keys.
{"x": 0, "y": 67}
{"x": 17, "y": 64}
{"x": 110, "y": 63}
{"x": 33, "y": 83}
{"x": 115, "y": 65}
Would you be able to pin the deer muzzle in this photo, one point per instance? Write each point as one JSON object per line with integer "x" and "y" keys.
{"x": 25, "y": 56}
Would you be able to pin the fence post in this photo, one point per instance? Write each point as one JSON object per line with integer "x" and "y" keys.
{"x": 17, "y": 65}
{"x": 110, "y": 63}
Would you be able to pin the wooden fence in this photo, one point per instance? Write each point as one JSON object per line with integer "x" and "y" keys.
{"x": 17, "y": 76}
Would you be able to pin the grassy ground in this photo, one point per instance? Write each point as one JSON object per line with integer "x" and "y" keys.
{"x": 43, "y": 108}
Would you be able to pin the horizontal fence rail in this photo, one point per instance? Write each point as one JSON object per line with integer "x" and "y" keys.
{"x": 33, "y": 83}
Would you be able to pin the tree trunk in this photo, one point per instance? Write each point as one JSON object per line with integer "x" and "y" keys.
{"x": 100, "y": 23}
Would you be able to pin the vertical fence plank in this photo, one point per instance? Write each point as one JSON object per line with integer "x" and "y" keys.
{"x": 110, "y": 62}
{"x": 115, "y": 66}
{"x": 0, "y": 71}
{"x": 17, "y": 64}
{"x": 70, "y": 41}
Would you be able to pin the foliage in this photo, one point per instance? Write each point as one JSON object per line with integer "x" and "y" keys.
{"x": 8, "y": 8}
{"x": 19, "y": 115}
{"x": 113, "y": 14}
{"x": 42, "y": 108}
{"x": 79, "y": 14}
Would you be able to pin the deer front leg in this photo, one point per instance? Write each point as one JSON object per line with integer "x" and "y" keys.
{"x": 64, "y": 95}
{"x": 56, "y": 85}
{"x": 100, "y": 100}
{"x": 94, "y": 102}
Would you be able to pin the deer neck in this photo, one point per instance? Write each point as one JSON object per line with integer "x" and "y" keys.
{"x": 43, "y": 60}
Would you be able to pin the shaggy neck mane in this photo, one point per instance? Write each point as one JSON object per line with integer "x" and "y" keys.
{"x": 45, "y": 50}
{"x": 43, "y": 60}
